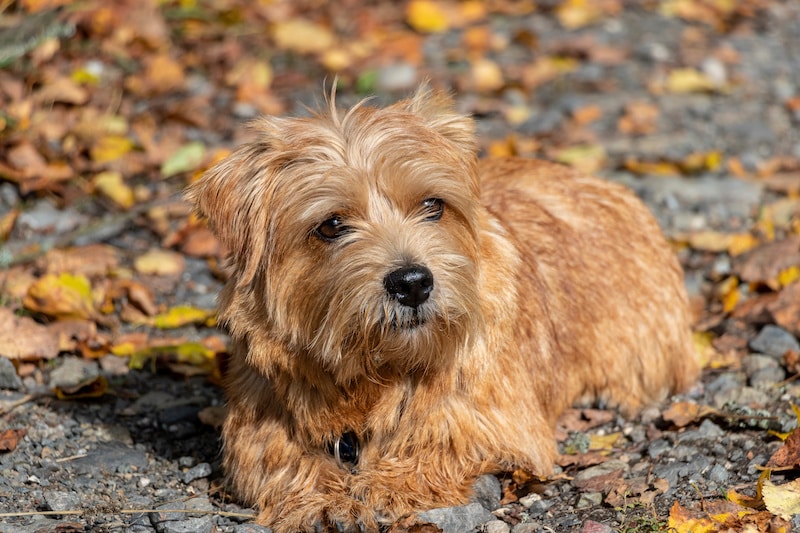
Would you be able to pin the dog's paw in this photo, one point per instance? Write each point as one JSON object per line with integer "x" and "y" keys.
{"x": 320, "y": 514}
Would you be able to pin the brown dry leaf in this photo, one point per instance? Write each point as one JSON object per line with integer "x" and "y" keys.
{"x": 640, "y": 118}
{"x": 62, "y": 296}
{"x": 681, "y": 520}
{"x": 163, "y": 74}
{"x": 142, "y": 297}
{"x": 92, "y": 261}
{"x": 9, "y": 438}
{"x": 200, "y": 242}
{"x": 157, "y": 262}
{"x": 587, "y": 114}
{"x": 787, "y": 457}
{"x": 212, "y": 416}
{"x": 764, "y": 263}
{"x": 302, "y": 36}
{"x": 95, "y": 387}
{"x": 684, "y": 413}
{"x": 24, "y": 339}
{"x": 62, "y": 90}
{"x": 582, "y": 420}
{"x": 7, "y": 222}
{"x": 782, "y": 500}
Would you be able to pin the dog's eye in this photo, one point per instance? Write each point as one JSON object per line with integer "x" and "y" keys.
{"x": 331, "y": 229}
{"x": 434, "y": 207}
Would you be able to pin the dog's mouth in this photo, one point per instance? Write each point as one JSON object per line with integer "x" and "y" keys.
{"x": 400, "y": 318}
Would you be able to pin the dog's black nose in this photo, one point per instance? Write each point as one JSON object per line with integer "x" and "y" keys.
{"x": 410, "y": 285}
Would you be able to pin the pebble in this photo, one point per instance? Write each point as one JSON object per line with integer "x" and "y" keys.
{"x": 73, "y": 371}
{"x": 9, "y": 379}
{"x": 496, "y": 526}
{"x": 250, "y": 528}
{"x": 590, "y": 526}
{"x": 526, "y": 527}
{"x": 487, "y": 491}
{"x": 590, "y": 499}
{"x": 197, "y": 472}
{"x": 60, "y": 500}
{"x": 599, "y": 474}
{"x": 774, "y": 341}
{"x": 44, "y": 218}
{"x": 457, "y": 519}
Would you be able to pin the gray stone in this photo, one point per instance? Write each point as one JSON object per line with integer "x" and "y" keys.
{"x": 45, "y": 218}
{"x": 496, "y": 526}
{"x": 585, "y": 477}
{"x": 197, "y": 472}
{"x": 457, "y": 519}
{"x": 487, "y": 491}
{"x": 74, "y": 371}
{"x": 60, "y": 500}
{"x": 742, "y": 396}
{"x": 719, "y": 475}
{"x": 8, "y": 375}
{"x": 774, "y": 341}
{"x": 397, "y": 77}
{"x": 250, "y": 528}
{"x": 109, "y": 458}
{"x": 201, "y": 524}
{"x": 526, "y": 527}
{"x": 707, "y": 430}
{"x": 590, "y": 499}
{"x": 766, "y": 378}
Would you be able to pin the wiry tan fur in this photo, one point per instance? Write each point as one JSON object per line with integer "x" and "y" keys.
{"x": 550, "y": 287}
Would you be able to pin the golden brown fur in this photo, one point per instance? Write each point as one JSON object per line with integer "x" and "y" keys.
{"x": 549, "y": 287}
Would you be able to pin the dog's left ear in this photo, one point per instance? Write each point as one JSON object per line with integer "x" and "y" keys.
{"x": 437, "y": 108}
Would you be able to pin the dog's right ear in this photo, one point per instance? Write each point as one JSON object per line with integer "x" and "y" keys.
{"x": 233, "y": 196}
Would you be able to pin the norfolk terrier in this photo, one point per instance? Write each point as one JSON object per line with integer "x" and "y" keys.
{"x": 405, "y": 317}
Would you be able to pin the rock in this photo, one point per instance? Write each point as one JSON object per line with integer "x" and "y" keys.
{"x": 526, "y": 527}
{"x": 590, "y": 526}
{"x": 397, "y": 77}
{"x": 774, "y": 341}
{"x": 59, "y": 500}
{"x": 9, "y": 379}
{"x": 250, "y": 528}
{"x": 487, "y": 491}
{"x": 201, "y": 524}
{"x": 109, "y": 458}
{"x": 719, "y": 475}
{"x": 496, "y": 526}
{"x": 73, "y": 371}
{"x": 595, "y": 478}
{"x": 197, "y": 472}
{"x": 45, "y": 218}
{"x": 742, "y": 396}
{"x": 590, "y": 499}
{"x": 457, "y": 519}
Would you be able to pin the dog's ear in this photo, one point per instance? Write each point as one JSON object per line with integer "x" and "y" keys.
{"x": 437, "y": 108}
{"x": 233, "y": 197}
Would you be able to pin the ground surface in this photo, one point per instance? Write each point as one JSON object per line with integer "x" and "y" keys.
{"x": 109, "y": 403}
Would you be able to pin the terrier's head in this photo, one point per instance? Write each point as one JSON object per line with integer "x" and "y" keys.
{"x": 353, "y": 236}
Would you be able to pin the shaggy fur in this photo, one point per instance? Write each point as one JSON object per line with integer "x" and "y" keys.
{"x": 549, "y": 287}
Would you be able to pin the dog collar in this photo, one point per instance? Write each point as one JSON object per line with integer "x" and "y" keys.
{"x": 345, "y": 449}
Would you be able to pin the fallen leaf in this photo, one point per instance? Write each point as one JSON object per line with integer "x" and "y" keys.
{"x": 157, "y": 262}
{"x": 182, "y": 315}
{"x": 212, "y": 416}
{"x": 427, "y": 16}
{"x": 487, "y": 76}
{"x": 64, "y": 295}
{"x": 684, "y": 413}
{"x": 787, "y": 457}
{"x": 302, "y": 36}
{"x": 764, "y": 263}
{"x": 782, "y": 500}
{"x": 188, "y": 157}
{"x": 681, "y": 520}
{"x": 111, "y": 185}
{"x": 110, "y": 148}
{"x": 179, "y": 357}
{"x": 689, "y": 80}
{"x": 163, "y": 74}
{"x": 92, "y": 261}
{"x": 9, "y": 438}
{"x": 640, "y": 118}
{"x": 588, "y": 158}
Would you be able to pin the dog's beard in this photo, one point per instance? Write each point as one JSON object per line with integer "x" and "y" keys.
{"x": 370, "y": 335}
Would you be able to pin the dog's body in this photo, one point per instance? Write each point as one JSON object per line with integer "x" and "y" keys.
{"x": 389, "y": 292}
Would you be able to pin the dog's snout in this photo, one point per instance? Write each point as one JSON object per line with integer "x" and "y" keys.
{"x": 411, "y": 285}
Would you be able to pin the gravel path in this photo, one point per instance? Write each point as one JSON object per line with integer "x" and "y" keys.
{"x": 145, "y": 456}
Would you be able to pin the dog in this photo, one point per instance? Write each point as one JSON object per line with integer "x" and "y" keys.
{"x": 405, "y": 318}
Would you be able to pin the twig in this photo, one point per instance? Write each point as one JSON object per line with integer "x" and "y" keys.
{"x": 6, "y": 408}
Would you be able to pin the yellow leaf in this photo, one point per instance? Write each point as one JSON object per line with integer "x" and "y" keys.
{"x": 788, "y": 275}
{"x": 158, "y": 262}
{"x": 689, "y": 80}
{"x": 782, "y": 500}
{"x": 61, "y": 296}
{"x": 681, "y": 521}
{"x": 659, "y": 168}
{"x": 573, "y": 14}
{"x": 189, "y": 353}
{"x": 741, "y": 243}
{"x": 604, "y": 442}
{"x": 181, "y": 315}
{"x": 729, "y": 293}
{"x": 109, "y": 148}
{"x": 588, "y": 158}
{"x": 426, "y": 16}
{"x": 186, "y": 158}
{"x": 110, "y": 184}
{"x": 302, "y": 36}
